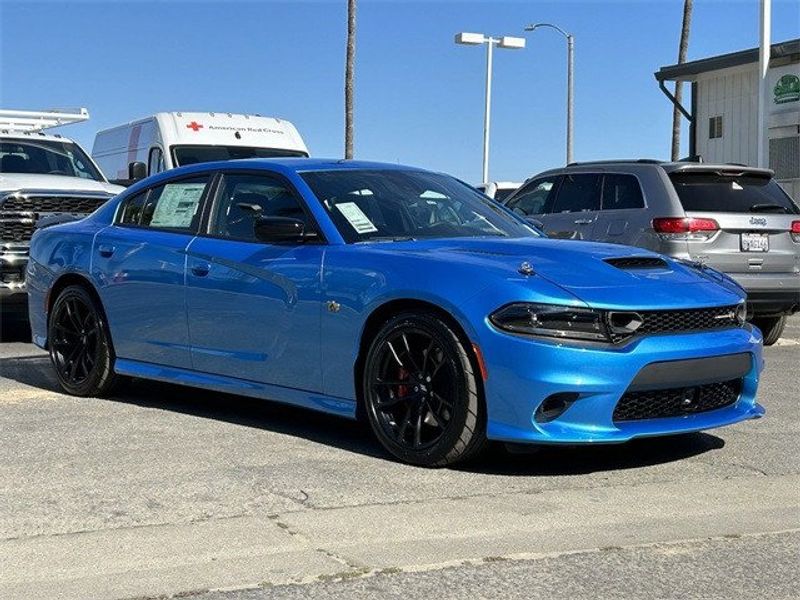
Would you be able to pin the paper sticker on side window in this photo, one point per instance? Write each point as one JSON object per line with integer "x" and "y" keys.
{"x": 177, "y": 205}
{"x": 356, "y": 217}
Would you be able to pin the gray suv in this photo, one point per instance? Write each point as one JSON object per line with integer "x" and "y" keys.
{"x": 735, "y": 219}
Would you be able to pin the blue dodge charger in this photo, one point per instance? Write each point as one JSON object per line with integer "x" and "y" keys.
{"x": 393, "y": 293}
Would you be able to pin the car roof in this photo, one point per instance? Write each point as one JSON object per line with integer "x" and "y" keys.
{"x": 297, "y": 164}
{"x": 33, "y": 136}
{"x": 634, "y": 164}
{"x": 283, "y": 165}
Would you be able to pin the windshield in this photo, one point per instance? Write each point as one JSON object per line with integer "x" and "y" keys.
{"x": 711, "y": 192}
{"x": 46, "y": 157}
{"x": 396, "y": 205}
{"x": 190, "y": 155}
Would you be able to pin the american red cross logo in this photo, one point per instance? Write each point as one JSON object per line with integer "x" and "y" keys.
{"x": 194, "y": 126}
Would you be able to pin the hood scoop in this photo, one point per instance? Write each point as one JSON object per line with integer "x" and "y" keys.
{"x": 629, "y": 263}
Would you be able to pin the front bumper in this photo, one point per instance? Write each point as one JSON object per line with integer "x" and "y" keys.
{"x": 525, "y": 371}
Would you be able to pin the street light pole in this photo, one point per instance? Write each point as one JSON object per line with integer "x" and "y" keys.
{"x": 764, "y": 51}
{"x": 487, "y": 110}
{"x": 570, "y": 81}
{"x": 475, "y": 39}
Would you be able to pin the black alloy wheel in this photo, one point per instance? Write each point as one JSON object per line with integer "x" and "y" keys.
{"x": 422, "y": 396}
{"x": 79, "y": 344}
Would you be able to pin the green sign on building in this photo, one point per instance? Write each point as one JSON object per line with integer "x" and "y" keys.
{"x": 787, "y": 89}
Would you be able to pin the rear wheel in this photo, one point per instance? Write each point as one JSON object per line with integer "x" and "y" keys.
{"x": 421, "y": 393}
{"x": 771, "y": 328}
{"x": 80, "y": 346}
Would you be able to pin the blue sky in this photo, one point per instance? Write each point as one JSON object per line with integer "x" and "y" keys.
{"x": 419, "y": 97}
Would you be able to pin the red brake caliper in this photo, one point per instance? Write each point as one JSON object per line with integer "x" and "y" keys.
{"x": 402, "y": 390}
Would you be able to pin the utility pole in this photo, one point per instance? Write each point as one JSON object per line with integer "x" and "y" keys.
{"x": 682, "y": 51}
{"x": 348, "y": 78}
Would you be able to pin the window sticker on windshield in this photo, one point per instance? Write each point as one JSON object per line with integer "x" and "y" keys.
{"x": 177, "y": 205}
{"x": 356, "y": 217}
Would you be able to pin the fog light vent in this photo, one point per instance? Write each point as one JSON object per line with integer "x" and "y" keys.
{"x": 554, "y": 406}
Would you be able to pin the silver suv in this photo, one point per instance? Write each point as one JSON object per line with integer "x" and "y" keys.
{"x": 735, "y": 219}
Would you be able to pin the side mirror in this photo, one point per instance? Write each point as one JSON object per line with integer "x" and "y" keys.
{"x": 274, "y": 230}
{"x": 535, "y": 222}
{"x": 137, "y": 170}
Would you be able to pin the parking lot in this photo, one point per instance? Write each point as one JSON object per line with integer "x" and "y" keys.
{"x": 162, "y": 490}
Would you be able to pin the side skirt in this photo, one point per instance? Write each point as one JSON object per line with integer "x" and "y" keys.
{"x": 229, "y": 385}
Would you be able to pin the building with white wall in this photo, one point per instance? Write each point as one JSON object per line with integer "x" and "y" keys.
{"x": 723, "y": 109}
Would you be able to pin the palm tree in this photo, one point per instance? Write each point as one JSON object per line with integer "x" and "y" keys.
{"x": 348, "y": 79}
{"x": 684, "y": 46}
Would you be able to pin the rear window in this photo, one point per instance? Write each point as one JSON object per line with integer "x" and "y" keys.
{"x": 711, "y": 192}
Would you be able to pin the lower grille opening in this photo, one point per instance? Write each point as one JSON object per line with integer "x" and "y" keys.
{"x": 677, "y": 402}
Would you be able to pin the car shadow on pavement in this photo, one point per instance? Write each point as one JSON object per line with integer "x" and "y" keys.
{"x": 14, "y": 330}
{"x": 353, "y": 436}
{"x": 545, "y": 460}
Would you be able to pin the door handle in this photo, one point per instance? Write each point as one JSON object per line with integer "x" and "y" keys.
{"x": 201, "y": 269}
{"x": 584, "y": 221}
{"x": 105, "y": 250}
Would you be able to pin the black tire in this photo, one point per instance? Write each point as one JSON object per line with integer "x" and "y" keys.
{"x": 80, "y": 345}
{"x": 771, "y": 328}
{"x": 431, "y": 388}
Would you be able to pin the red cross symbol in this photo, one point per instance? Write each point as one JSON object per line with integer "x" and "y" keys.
{"x": 194, "y": 126}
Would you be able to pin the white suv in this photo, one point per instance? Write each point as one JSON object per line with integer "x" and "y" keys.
{"x": 40, "y": 176}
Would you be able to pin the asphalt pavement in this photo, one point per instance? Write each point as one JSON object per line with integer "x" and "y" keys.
{"x": 164, "y": 491}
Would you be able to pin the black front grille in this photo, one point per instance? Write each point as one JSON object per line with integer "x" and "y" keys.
{"x": 16, "y": 231}
{"x": 683, "y": 321}
{"x": 676, "y": 402}
{"x": 637, "y": 262}
{"x": 701, "y": 319}
{"x": 53, "y": 204}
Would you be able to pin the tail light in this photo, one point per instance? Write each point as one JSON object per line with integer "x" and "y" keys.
{"x": 685, "y": 228}
{"x": 795, "y": 231}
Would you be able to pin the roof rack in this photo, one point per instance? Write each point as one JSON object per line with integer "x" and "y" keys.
{"x": 35, "y": 121}
{"x": 644, "y": 161}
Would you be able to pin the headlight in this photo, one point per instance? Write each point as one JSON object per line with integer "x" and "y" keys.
{"x": 551, "y": 321}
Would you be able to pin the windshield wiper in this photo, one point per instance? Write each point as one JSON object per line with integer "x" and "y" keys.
{"x": 391, "y": 238}
{"x": 768, "y": 208}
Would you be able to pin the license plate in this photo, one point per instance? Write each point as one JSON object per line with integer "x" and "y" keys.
{"x": 755, "y": 242}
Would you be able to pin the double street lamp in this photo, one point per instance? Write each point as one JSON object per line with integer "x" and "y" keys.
{"x": 570, "y": 63}
{"x": 476, "y": 39}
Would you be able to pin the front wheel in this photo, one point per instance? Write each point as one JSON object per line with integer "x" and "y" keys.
{"x": 79, "y": 344}
{"x": 421, "y": 393}
{"x": 771, "y": 328}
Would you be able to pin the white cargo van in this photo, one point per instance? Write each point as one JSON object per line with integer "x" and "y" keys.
{"x": 173, "y": 139}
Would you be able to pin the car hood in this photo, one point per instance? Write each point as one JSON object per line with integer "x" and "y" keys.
{"x": 583, "y": 269}
{"x": 11, "y": 182}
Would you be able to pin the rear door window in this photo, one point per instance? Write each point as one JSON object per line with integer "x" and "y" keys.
{"x": 712, "y": 192}
{"x": 578, "y": 193}
{"x": 535, "y": 198}
{"x": 175, "y": 206}
{"x": 621, "y": 191}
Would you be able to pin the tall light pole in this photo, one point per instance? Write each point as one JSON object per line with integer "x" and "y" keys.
{"x": 476, "y": 39}
{"x": 764, "y": 52}
{"x": 570, "y": 87}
